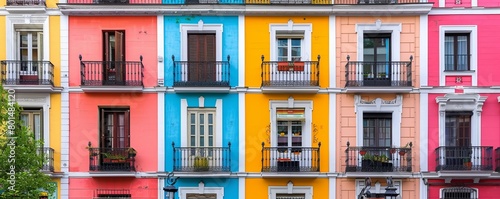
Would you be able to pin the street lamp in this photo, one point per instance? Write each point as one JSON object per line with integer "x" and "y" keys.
{"x": 170, "y": 190}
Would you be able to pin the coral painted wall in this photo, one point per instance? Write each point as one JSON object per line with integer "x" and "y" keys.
{"x": 84, "y": 188}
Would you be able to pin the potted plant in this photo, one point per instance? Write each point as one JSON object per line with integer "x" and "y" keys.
{"x": 403, "y": 150}
{"x": 468, "y": 163}
{"x": 362, "y": 152}
{"x": 392, "y": 150}
{"x": 114, "y": 158}
{"x": 200, "y": 163}
{"x": 131, "y": 152}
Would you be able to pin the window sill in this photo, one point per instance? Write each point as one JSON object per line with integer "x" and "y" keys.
{"x": 458, "y": 72}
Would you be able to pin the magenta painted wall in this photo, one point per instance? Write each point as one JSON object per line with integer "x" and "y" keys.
{"x": 487, "y": 50}
{"x": 84, "y": 127}
{"x": 488, "y": 3}
{"x": 84, "y": 188}
{"x": 484, "y": 191}
{"x": 490, "y": 125}
{"x": 451, "y": 3}
{"x": 85, "y": 38}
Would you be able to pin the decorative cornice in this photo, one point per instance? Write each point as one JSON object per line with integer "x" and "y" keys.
{"x": 472, "y": 102}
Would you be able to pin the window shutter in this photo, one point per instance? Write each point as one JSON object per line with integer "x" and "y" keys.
{"x": 127, "y": 128}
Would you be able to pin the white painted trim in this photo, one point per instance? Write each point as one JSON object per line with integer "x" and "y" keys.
{"x": 161, "y": 131}
{"x": 424, "y": 35}
{"x": 183, "y": 117}
{"x": 291, "y": 26}
{"x": 201, "y": 102}
{"x": 424, "y": 134}
{"x": 201, "y": 27}
{"x": 218, "y": 121}
{"x": 161, "y": 184}
{"x": 290, "y": 189}
{"x": 12, "y": 20}
{"x": 472, "y": 29}
{"x": 332, "y": 186}
{"x": 466, "y": 11}
{"x": 291, "y": 103}
{"x": 423, "y": 187}
{"x": 32, "y": 100}
{"x": 241, "y": 51}
{"x": 473, "y": 3}
{"x": 394, "y": 29}
{"x": 332, "y": 139}
{"x": 461, "y": 102}
{"x": 441, "y": 3}
{"x": 333, "y": 52}
{"x": 160, "y": 32}
{"x": 218, "y": 124}
{"x": 394, "y": 106}
{"x": 201, "y": 189}
{"x": 360, "y": 183}
{"x": 64, "y": 67}
{"x": 441, "y": 190}
{"x": 241, "y": 132}
{"x": 241, "y": 188}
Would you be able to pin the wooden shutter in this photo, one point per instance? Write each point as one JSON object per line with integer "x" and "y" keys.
{"x": 127, "y": 128}
{"x": 119, "y": 57}
{"x": 201, "y": 57}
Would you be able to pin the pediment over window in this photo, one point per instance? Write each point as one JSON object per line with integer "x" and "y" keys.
{"x": 461, "y": 102}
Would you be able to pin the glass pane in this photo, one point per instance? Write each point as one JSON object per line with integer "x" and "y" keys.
{"x": 282, "y": 42}
{"x": 462, "y": 53}
{"x": 449, "y": 53}
{"x": 121, "y": 131}
{"x": 34, "y": 36}
{"x": 210, "y": 141}
{"x": 24, "y": 39}
{"x": 37, "y": 127}
{"x": 193, "y": 118}
{"x": 210, "y": 118}
{"x": 25, "y": 119}
{"x": 193, "y": 129}
{"x": 202, "y": 141}
{"x": 202, "y": 130}
{"x": 193, "y": 140}
{"x": 202, "y": 118}
{"x": 296, "y": 42}
{"x": 296, "y": 52}
{"x": 210, "y": 130}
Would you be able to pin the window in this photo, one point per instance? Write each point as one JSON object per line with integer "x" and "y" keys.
{"x": 290, "y": 192}
{"x": 458, "y": 129}
{"x": 376, "y": 56}
{"x": 459, "y": 193}
{"x": 201, "y": 57}
{"x": 290, "y": 196}
{"x": 30, "y": 48}
{"x": 32, "y": 118}
{"x": 377, "y": 129}
{"x": 201, "y": 127}
{"x": 289, "y": 49}
{"x": 457, "y": 51}
{"x": 115, "y": 128}
{"x": 201, "y": 196}
{"x": 113, "y": 57}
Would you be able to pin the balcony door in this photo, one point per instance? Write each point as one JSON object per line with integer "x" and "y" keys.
{"x": 115, "y": 138}
{"x": 290, "y": 68}
{"x": 32, "y": 118}
{"x": 201, "y": 139}
{"x": 202, "y": 65}
{"x": 114, "y": 69}
{"x": 376, "y": 59}
{"x": 458, "y": 140}
{"x": 30, "y": 53}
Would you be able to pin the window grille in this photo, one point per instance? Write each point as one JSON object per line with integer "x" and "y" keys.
{"x": 290, "y": 196}
{"x": 459, "y": 193}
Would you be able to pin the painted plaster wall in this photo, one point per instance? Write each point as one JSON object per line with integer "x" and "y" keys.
{"x": 488, "y": 3}
{"x": 347, "y": 43}
{"x": 489, "y": 125}
{"x": 84, "y": 127}
{"x": 484, "y": 191}
{"x": 486, "y": 52}
{"x": 346, "y": 188}
{"x": 230, "y": 185}
{"x": 257, "y": 43}
{"x": 84, "y": 188}
{"x": 229, "y": 122}
{"x": 86, "y": 38}
{"x": 260, "y": 186}
{"x": 452, "y": 3}
{"x": 173, "y": 42}
{"x": 3, "y": 35}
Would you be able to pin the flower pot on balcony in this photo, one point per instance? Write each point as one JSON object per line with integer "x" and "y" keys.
{"x": 392, "y": 150}
{"x": 200, "y": 164}
{"x": 402, "y": 153}
{"x": 362, "y": 152}
{"x": 468, "y": 165}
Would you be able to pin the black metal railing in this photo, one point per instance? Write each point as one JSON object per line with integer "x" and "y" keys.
{"x": 290, "y": 73}
{"x": 112, "y": 73}
{"x": 114, "y": 2}
{"x": 378, "y": 159}
{"x": 454, "y": 158}
{"x": 497, "y": 159}
{"x": 17, "y": 72}
{"x": 201, "y": 73}
{"x": 386, "y": 73}
{"x": 459, "y": 193}
{"x": 290, "y": 159}
{"x": 363, "y": 2}
{"x": 25, "y": 2}
{"x": 48, "y": 158}
{"x": 202, "y": 159}
{"x": 111, "y": 159}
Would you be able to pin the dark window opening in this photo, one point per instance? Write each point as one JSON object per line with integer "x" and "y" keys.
{"x": 377, "y": 129}
{"x": 457, "y": 51}
{"x": 202, "y": 57}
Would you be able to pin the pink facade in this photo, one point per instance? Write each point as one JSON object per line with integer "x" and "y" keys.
{"x": 142, "y": 188}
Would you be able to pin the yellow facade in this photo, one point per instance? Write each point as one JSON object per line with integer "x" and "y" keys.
{"x": 257, "y": 105}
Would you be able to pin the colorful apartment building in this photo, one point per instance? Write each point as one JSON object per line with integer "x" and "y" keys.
{"x": 460, "y": 95}
{"x": 202, "y": 137}
{"x": 112, "y": 70}
{"x": 30, "y": 62}
{"x": 378, "y": 60}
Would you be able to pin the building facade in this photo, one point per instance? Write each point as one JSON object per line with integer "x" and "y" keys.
{"x": 460, "y": 92}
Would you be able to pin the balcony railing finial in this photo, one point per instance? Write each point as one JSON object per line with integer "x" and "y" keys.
{"x": 90, "y": 144}
{"x": 319, "y": 57}
{"x": 262, "y": 57}
{"x": 262, "y": 144}
{"x": 228, "y": 57}
{"x": 348, "y": 57}
{"x": 173, "y": 144}
{"x": 229, "y": 144}
{"x": 348, "y": 144}
{"x": 319, "y": 144}
{"x": 411, "y": 58}
{"x": 173, "y": 58}
{"x": 80, "y": 57}
{"x": 140, "y": 58}
{"x": 411, "y": 144}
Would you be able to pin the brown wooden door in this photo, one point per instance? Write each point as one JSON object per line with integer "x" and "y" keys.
{"x": 119, "y": 57}
{"x": 201, "y": 58}
{"x": 114, "y": 58}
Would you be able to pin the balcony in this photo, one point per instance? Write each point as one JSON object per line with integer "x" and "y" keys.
{"x": 290, "y": 159}
{"x": 25, "y": 6}
{"x": 114, "y": 2}
{"x": 378, "y": 77}
{"x": 379, "y": 159}
{"x": 290, "y": 76}
{"x": 112, "y": 76}
{"x": 460, "y": 159}
{"x": 201, "y": 76}
{"x": 25, "y": 2}
{"x": 377, "y": 2}
{"x": 111, "y": 160}
{"x": 48, "y": 159}
{"x": 202, "y": 159}
{"x": 28, "y": 76}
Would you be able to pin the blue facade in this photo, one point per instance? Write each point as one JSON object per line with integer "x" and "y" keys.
{"x": 176, "y": 103}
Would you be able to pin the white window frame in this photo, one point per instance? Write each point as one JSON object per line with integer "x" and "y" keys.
{"x": 472, "y": 30}
{"x": 290, "y": 189}
{"x": 201, "y": 104}
{"x": 201, "y": 27}
{"x": 379, "y": 105}
{"x": 461, "y": 102}
{"x": 442, "y": 190}
{"x": 397, "y": 183}
{"x": 291, "y": 103}
{"x": 275, "y": 29}
{"x": 38, "y": 101}
{"x": 378, "y": 27}
{"x": 31, "y": 117}
{"x": 197, "y": 111}
{"x": 201, "y": 189}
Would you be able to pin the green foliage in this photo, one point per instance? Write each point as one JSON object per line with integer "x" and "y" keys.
{"x": 114, "y": 156}
{"x": 20, "y": 161}
{"x": 201, "y": 163}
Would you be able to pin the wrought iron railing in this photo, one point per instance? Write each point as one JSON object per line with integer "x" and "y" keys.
{"x": 25, "y": 2}
{"x": 202, "y": 159}
{"x": 457, "y": 158}
{"x": 384, "y": 73}
{"x": 17, "y": 72}
{"x": 290, "y": 159}
{"x": 363, "y": 2}
{"x": 378, "y": 159}
{"x": 114, "y": 2}
{"x": 201, "y": 73}
{"x": 290, "y": 73}
{"x": 111, "y": 159}
{"x": 112, "y": 73}
{"x": 48, "y": 158}
{"x": 497, "y": 159}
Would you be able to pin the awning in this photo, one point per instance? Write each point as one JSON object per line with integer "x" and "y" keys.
{"x": 290, "y": 114}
